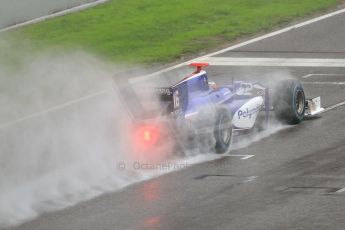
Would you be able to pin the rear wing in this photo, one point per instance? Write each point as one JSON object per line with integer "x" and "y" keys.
{"x": 164, "y": 94}
{"x": 175, "y": 97}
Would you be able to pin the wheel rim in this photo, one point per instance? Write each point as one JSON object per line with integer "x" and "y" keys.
{"x": 299, "y": 102}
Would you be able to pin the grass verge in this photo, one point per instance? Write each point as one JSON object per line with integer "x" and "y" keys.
{"x": 159, "y": 31}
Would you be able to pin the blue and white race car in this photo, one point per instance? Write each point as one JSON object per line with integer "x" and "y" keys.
{"x": 198, "y": 112}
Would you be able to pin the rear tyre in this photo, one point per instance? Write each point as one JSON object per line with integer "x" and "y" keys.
{"x": 223, "y": 131}
{"x": 289, "y": 102}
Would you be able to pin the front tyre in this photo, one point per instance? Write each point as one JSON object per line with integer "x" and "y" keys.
{"x": 223, "y": 131}
{"x": 289, "y": 102}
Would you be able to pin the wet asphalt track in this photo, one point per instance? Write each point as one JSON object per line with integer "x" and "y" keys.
{"x": 294, "y": 181}
{"x": 13, "y": 11}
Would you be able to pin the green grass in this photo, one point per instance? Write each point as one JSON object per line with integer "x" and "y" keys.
{"x": 149, "y": 31}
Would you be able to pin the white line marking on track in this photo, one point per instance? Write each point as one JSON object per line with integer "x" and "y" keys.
{"x": 321, "y": 74}
{"x": 322, "y": 83}
{"x": 286, "y": 62}
{"x": 57, "y": 14}
{"x": 5, "y": 125}
{"x": 309, "y": 75}
{"x": 243, "y": 157}
{"x": 340, "y": 190}
{"x": 333, "y": 107}
{"x": 250, "y": 179}
{"x": 284, "y": 30}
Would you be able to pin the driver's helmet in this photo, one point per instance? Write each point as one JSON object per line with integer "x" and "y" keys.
{"x": 212, "y": 84}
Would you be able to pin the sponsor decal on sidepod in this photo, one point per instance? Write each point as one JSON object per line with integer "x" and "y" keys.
{"x": 245, "y": 116}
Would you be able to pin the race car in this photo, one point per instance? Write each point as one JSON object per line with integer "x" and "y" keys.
{"x": 198, "y": 112}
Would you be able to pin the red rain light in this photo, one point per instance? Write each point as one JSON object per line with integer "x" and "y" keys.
{"x": 146, "y": 136}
